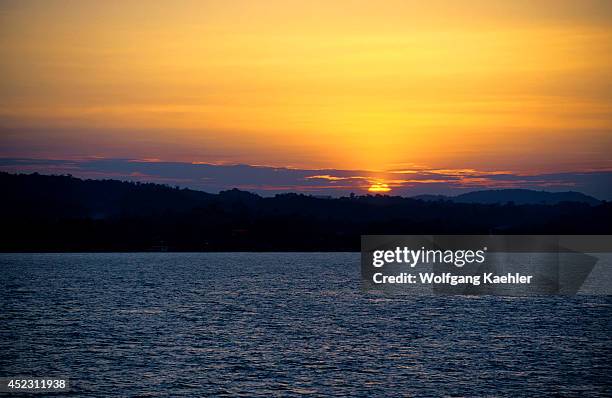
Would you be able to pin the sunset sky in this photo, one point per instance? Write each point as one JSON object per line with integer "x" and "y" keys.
{"x": 519, "y": 86}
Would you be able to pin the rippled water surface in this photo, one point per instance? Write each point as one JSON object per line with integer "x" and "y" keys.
{"x": 288, "y": 324}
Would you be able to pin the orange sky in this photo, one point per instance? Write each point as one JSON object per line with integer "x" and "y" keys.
{"x": 491, "y": 85}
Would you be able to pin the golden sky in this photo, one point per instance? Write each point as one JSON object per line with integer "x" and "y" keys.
{"x": 377, "y": 85}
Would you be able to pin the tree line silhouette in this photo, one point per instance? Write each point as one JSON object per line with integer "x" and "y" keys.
{"x": 64, "y": 213}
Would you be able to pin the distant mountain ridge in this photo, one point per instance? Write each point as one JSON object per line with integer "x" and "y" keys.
{"x": 516, "y": 196}
{"x": 62, "y": 213}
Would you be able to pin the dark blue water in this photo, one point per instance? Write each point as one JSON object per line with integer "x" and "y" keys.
{"x": 241, "y": 324}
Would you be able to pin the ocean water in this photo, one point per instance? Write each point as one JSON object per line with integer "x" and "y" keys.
{"x": 285, "y": 324}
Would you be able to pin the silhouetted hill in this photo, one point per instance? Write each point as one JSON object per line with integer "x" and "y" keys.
{"x": 433, "y": 198}
{"x": 517, "y": 196}
{"x": 63, "y": 213}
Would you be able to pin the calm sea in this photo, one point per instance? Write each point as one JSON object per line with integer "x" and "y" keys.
{"x": 288, "y": 324}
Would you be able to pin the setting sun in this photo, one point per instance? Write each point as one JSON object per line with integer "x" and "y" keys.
{"x": 306, "y": 179}
{"x": 379, "y": 187}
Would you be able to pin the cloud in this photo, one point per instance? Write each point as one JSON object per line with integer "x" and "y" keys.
{"x": 270, "y": 180}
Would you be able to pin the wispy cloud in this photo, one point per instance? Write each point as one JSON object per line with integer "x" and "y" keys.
{"x": 270, "y": 180}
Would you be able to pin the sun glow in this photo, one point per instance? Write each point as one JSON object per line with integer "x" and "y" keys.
{"x": 348, "y": 84}
{"x": 379, "y": 187}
